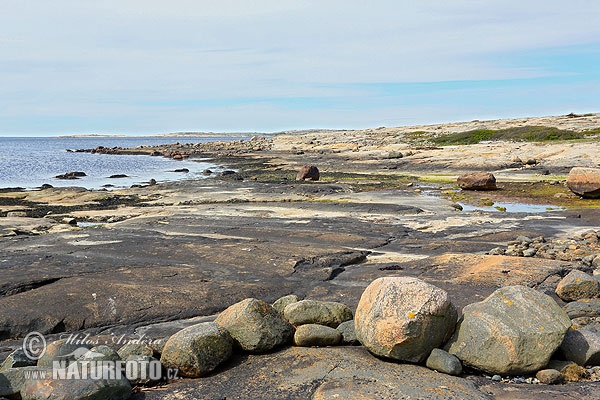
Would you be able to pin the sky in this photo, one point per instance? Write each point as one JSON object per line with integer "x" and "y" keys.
{"x": 148, "y": 67}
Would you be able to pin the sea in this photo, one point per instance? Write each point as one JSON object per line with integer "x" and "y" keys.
{"x": 29, "y": 162}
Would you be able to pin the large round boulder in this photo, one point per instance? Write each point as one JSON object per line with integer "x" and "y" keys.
{"x": 404, "y": 318}
{"x": 326, "y": 313}
{"x": 513, "y": 331}
{"x": 585, "y": 182}
{"x": 197, "y": 350}
{"x": 255, "y": 325}
{"x": 477, "y": 181}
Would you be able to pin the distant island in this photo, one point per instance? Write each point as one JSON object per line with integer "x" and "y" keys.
{"x": 201, "y": 134}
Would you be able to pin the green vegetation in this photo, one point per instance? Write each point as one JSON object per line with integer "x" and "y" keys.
{"x": 518, "y": 134}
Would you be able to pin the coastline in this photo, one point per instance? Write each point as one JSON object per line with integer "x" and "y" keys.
{"x": 177, "y": 250}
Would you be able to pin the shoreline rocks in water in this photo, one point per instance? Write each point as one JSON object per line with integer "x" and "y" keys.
{"x": 71, "y": 175}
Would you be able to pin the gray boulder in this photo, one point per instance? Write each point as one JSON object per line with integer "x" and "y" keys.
{"x": 316, "y": 335}
{"x": 348, "y": 332}
{"x": 17, "y": 359}
{"x": 582, "y": 345}
{"x": 317, "y": 312}
{"x": 583, "y": 308}
{"x": 578, "y": 285}
{"x": 255, "y": 325}
{"x": 281, "y": 303}
{"x": 197, "y": 349}
{"x": 404, "y": 318}
{"x": 442, "y": 361}
{"x": 514, "y": 331}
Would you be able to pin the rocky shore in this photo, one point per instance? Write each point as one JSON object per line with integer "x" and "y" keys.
{"x": 158, "y": 260}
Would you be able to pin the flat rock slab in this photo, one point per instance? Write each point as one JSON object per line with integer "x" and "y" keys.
{"x": 304, "y": 373}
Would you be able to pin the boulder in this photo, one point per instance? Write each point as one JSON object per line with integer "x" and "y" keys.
{"x": 583, "y": 308}
{"x": 577, "y": 285}
{"x": 326, "y": 313}
{"x": 255, "y": 325}
{"x": 585, "y": 182}
{"x": 444, "y": 362}
{"x": 71, "y": 175}
{"x": 316, "y": 335}
{"x": 549, "y": 376}
{"x": 513, "y": 331}
{"x": 281, "y": 303}
{"x": 348, "y": 332}
{"x": 17, "y": 359}
{"x": 197, "y": 349}
{"x": 62, "y": 350}
{"x": 404, "y": 318}
{"x": 113, "y": 388}
{"x": 308, "y": 172}
{"x": 582, "y": 345}
{"x": 477, "y": 181}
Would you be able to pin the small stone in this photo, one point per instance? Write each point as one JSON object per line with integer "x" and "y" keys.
{"x": 309, "y": 172}
{"x": 549, "y": 376}
{"x": 317, "y": 312}
{"x": 529, "y": 252}
{"x": 497, "y": 378}
{"x": 348, "y": 333}
{"x": 441, "y": 361}
{"x": 316, "y": 335}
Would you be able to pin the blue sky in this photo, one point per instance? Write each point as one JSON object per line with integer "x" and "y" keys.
{"x": 145, "y": 67}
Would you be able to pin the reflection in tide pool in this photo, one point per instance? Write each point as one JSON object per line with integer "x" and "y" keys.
{"x": 514, "y": 207}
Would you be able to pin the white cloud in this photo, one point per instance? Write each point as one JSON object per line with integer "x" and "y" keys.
{"x": 66, "y": 55}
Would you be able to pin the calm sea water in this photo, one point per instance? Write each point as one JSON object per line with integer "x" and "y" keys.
{"x": 31, "y": 162}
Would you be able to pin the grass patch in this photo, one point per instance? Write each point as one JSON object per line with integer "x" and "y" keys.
{"x": 518, "y": 134}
